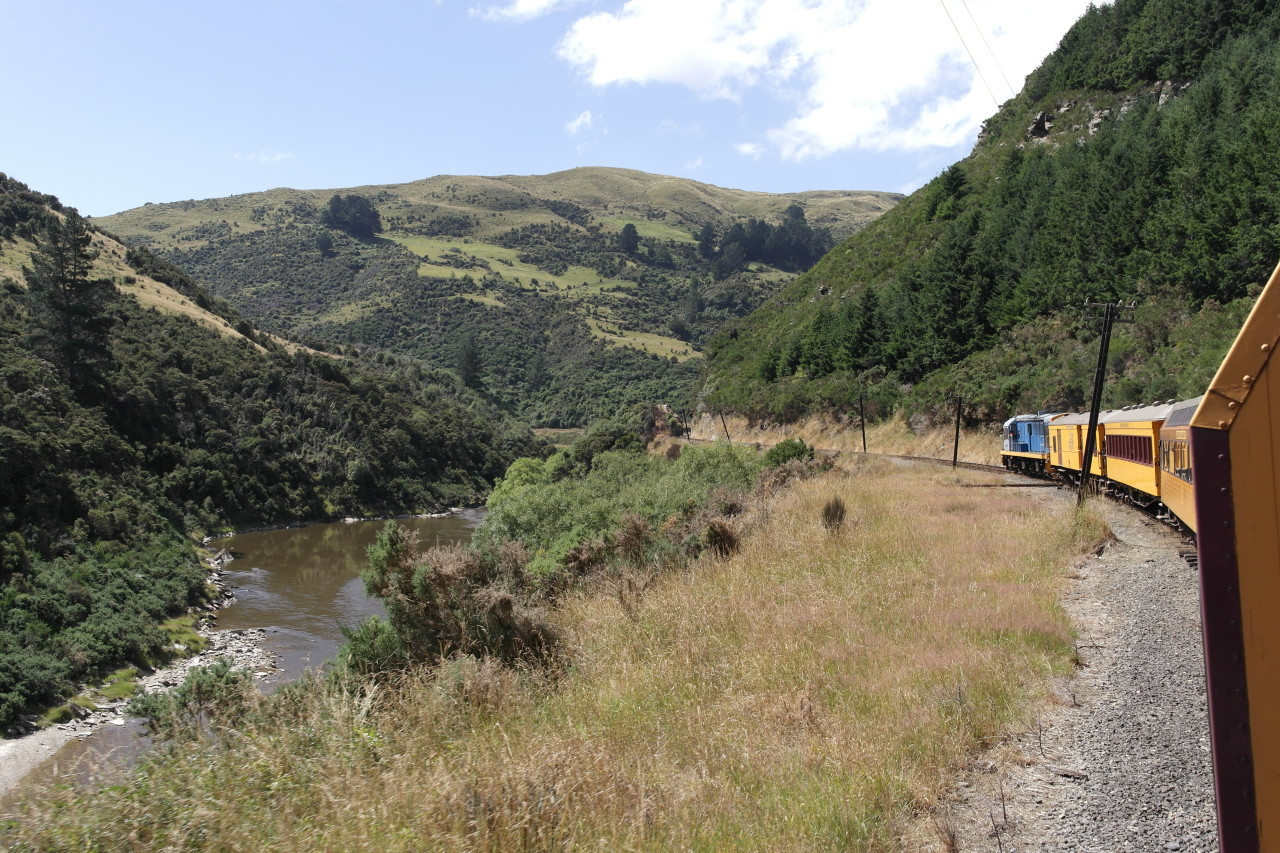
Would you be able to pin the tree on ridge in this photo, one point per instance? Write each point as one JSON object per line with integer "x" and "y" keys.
{"x": 70, "y": 321}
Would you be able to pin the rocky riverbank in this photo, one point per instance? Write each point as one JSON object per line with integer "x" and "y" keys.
{"x": 28, "y": 746}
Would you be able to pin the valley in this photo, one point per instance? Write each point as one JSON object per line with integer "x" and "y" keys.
{"x": 655, "y": 639}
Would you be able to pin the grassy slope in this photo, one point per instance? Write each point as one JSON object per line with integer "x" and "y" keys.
{"x": 111, "y": 264}
{"x": 615, "y": 196}
{"x": 811, "y": 692}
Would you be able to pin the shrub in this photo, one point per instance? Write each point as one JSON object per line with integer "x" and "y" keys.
{"x": 720, "y": 537}
{"x": 833, "y": 512}
{"x": 444, "y": 601}
{"x": 215, "y": 694}
{"x": 370, "y": 648}
{"x": 786, "y": 450}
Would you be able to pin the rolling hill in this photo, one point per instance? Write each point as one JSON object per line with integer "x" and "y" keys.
{"x": 523, "y": 283}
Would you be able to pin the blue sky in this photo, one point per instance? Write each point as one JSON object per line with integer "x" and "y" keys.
{"x": 111, "y": 105}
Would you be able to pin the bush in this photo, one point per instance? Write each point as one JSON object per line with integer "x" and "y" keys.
{"x": 215, "y": 694}
{"x": 833, "y": 512}
{"x": 371, "y": 648}
{"x": 786, "y": 450}
{"x": 443, "y": 601}
{"x": 559, "y": 517}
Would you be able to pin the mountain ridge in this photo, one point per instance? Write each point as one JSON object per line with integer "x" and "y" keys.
{"x": 591, "y": 278}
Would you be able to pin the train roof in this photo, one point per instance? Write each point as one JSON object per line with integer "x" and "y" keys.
{"x": 1180, "y": 414}
{"x": 1044, "y": 417}
{"x": 1154, "y": 412}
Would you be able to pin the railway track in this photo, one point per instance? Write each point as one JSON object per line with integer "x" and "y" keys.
{"x": 831, "y": 454}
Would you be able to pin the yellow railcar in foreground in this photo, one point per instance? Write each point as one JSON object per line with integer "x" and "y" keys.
{"x": 1236, "y": 461}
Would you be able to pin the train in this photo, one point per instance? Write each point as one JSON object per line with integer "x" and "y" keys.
{"x": 1210, "y": 465}
{"x": 1142, "y": 454}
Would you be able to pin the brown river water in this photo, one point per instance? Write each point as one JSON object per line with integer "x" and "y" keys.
{"x": 302, "y": 584}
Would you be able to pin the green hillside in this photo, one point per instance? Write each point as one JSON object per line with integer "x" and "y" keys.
{"x": 528, "y": 285}
{"x": 1137, "y": 164}
{"x": 137, "y": 412}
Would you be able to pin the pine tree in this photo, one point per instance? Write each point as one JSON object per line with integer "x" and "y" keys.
{"x": 70, "y": 321}
{"x": 629, "y": 239}
{"x": 707, "y": 242}
{"x": 470, "y": 366}
{"x": 353, "y": 214}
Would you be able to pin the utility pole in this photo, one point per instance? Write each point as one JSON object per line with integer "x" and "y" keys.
{"x": 1110, "y": 312}
{"x": 862, "y": 416}
{"x": 955, "y": 453}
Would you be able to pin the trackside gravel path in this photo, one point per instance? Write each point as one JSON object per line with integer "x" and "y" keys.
{"x": 1120, "y": 762}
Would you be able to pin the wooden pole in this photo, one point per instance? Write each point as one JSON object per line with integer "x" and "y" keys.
{"x": 955, "y": 453}
{"x": 1090, "y": 440}
{"x": 862, "y": 415}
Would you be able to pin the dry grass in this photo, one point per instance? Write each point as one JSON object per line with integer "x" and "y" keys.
{"x": 811, "y": 691}
{"x": 110, "y": 264}
{"x": 893, "y": 437}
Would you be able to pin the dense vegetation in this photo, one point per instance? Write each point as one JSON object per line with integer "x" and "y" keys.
{"x": 1134, "y": 166}
{"x": 571, "y": 297}
{"x": 122, "y": 430}
{"x": 600, "y": 510}
{"x": 353, "y": 214}
{"x": 566, "y": 509}
{"x": 534, "y": 355}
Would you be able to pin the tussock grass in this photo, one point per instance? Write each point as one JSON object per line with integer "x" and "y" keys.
{"x": 833, "y": 513}
{"x": 813, "y": 690}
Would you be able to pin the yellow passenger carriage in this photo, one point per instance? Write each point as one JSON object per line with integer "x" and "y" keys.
{"x": 1128, "y": 439}
{"x": 1066, "y": 446}
{"x": 1177, "y": 485}
{"x": 1236, "y": 457}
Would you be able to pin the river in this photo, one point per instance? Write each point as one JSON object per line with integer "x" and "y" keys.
{"x": 302, "y": 584}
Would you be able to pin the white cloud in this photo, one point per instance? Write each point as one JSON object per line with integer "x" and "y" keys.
{"x": 750, "y": 149}
{"x": 264, "y": 155}
{"x": 693, "y": 165}
{"x": 522, "y": 10}
{"x": 876, "y": 74}
{"x": 586, "y": 128}
{"x": 583, "y": 121}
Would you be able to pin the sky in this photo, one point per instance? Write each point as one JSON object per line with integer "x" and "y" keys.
{"x": 112, "y": 105}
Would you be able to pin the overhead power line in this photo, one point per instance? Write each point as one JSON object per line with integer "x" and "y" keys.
{"x": 994, "y": 58}
{"x": 981, "y": 76}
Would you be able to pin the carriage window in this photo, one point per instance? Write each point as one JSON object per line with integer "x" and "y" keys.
{"x": 1131, "y": 448}
{"x": 1175, "y": 457}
